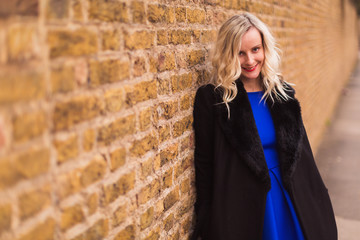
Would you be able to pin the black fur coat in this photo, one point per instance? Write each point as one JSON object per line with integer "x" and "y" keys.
{"x": 232, "y": 179}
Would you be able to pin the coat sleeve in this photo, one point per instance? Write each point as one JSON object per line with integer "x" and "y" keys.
{"x": 203, "y": 156}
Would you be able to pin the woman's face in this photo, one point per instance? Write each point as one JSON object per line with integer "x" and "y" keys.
{"x": 251, "y": 54}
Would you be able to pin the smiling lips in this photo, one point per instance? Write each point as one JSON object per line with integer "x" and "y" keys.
{"x": 250, "y": 69}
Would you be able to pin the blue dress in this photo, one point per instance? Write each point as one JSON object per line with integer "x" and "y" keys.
{"x": 280, "y": 222}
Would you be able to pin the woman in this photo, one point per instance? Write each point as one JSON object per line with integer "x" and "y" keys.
{"x": 256, "y": 178}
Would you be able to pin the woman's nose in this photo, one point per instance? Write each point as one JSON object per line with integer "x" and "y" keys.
{"x": 250, "y": 59}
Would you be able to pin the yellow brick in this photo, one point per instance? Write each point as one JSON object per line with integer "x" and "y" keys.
{"x": 110, "y": 40}
{"x": 93, "y": 171}
{"x": 195, "y": 15}
{"x": 140, "y": 92}
{"x": 81, "y": 108}
{"x": 153, "y": 235}
{"x": 117, "y": 158}
{"x": 186, "y": 143}
{"x": 149, "y": 191}
{"x": 156, "y": 13}
{"x": 33, "y": 162}
{"x": 186, "y": 225}
{"x": 72, "y": 43}
{"x": 66, "y": 149}
{"x": 119, "y": 215}
{"x": 169, "y": 154}
{"x": 167, "y": 110}
{"x": 77, "y": 10}
{"x": 167, "y": 178}
{"x": 28, "y": 126}
{"x": 68, "y": 183}
{"x": 5, "y": 217}
{"x": 8, "y": 173}
{"x": 163, "y": 86}
{"x": 88, "y": 139}
{"x": 114, "y": 100}
{"x": 139, "y": 40}
{"x": 43, "y": 231}
{"x": 180, "y": 37}
{"x": 185, "y": 207}
{"x": 175, "y": 236}
{"x": 21, "y": 42}
{"x": 123, "y": 185}
{"x": 181, "y": 82}
{"x": 146, "y": 218}
{"x": 196, "y": 34}
{"x": 71, "y": 216}
{"x": 208, "y": 36}
{"x": 97, "y": 231}
{"x": 183, "y": 165}
{"x": 162, "y": 37}
{"x": 141, "y": 146}
{"x": 92, "y": 203}
{"x": 116, "y": 129}
{"x": 57, "y": 9}
{"x": 185, "y": 102}
{"x": 169, "y": 15}
{"x": 145, "y": 118}
{"x": 138, "y": 12}
{"x": 126, "y": 234}
{"x": 33, "y": 202}
{"x": 157, "y": 162}
{"x": 109, "y": 71}
{"x": 169, "y": 222}
{"x": 62, "y": 79}
{"x": 108, "y": 11}
{"x": 139, "y": 67}
{"x": 195, "y": 57}
{"x": 21, "y": 86}
{"x": 180, "y": 13}
{"x": 28, "y": 8}
{"x": 182, "y": 125}
{"x": 146, "y": 168}
{"x": 164, "y": 61}
{"x": 164, "y": 133}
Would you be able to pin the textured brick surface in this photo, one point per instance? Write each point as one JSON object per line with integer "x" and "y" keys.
{"x": 96, "y": 104}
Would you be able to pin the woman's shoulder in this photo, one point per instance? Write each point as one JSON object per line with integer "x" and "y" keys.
{"x": 207, "y": 93}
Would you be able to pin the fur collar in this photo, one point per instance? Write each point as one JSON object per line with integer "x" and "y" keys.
{"x": 241, "y": 132}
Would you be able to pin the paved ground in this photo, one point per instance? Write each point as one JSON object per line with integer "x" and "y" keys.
{"x": 338, "y": 159}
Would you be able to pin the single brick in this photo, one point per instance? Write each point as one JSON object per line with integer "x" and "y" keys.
{"x": 124, "y": 184}
{"x": 72, "y": 43}
{"x": 149, "y": 191}
{"x": 164, "y": 133}
{"x": 180, "y": 37}
{"x": 169, "y": 154}
{"x": 33, "y": 162}
{"x": 146, "y": 168}
{"x": 167, "y": 110}
{"x": 139, "y": 66}
{"x": 119, "y": 215}
{"x": 117, "y": 158}
{"x": 21, "y": 86}
{"x": 167, "y": 178}
{"x": 180, "y": 13}
{"x": 62, "y": 79}
{"x": 114, "y": 100}
{"x": 185, "y": 186}
{"x": 97, "y": 231}
{"x": 77, "y": 10}
{"x": 81, "y": 108}
{"x": 94, "y": 171}
{"x": 195, "y": 57}
{"x": 68, "y": 183}
{"x": 171, "y": 198}
{"x": 181, "y": 82}
{"x": 21, "y": 42}
{"x": 5, "y": 217}
{"x": 109, "y": 71}
{"x": 43, "y": 231}
{"x": 140, "y": 92}
{"x": 145, "y": 118}
{"x": 116, "y": 129}
{"x": 182, "y": 125}
{"x": 146, "y": 218}
{"x": 162, "y": 37}
{"x": 141, "y": 146}
{"x": 56, "y": 9}
{"x": 208, "y": 36}
{"x": 33, "y": 202}
{"x": 169, "y": 15}
{"x": 169, "y": 222}
{"x": 71, "y": 216}
{"x": 12, "y": 8}
{"x": 110, "y": 40}
{"x": 195, "y": 15}
{"x": 66, "y": 149}
{"x": 138, "y": 12}
{"x": 139, "y": 40}
{"x": 156, "y": 13}
{"x": 92, "y": 203}
{"x": 185, "y": 102}
{"x": 28, "y": 126}
{"x": 163, "y": 86}
{"x": 108, "y": 11}
{"x": 8, "y": 173}
{"x": 88, "y": 139}
{"x": 126, "y": 234}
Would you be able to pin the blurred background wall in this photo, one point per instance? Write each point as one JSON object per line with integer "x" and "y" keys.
{"x": 96, "y": 102}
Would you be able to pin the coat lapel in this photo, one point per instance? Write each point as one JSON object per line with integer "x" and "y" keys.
{"x": 241, "y": 132}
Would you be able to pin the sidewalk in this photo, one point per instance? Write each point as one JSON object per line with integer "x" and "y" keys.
{"x": 338, "y": 159}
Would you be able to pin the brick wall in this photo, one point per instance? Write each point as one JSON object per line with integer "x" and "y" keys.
{"x": 96, "y": 106}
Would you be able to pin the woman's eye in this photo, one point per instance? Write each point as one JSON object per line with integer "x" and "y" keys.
{"x": 256, "y": 49}
{"x": 241, "y": 54}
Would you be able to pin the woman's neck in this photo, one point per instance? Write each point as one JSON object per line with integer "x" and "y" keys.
{"x": 252, "y": 85}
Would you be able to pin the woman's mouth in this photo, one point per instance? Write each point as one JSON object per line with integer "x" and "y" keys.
{"x": 250, "y": 69}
